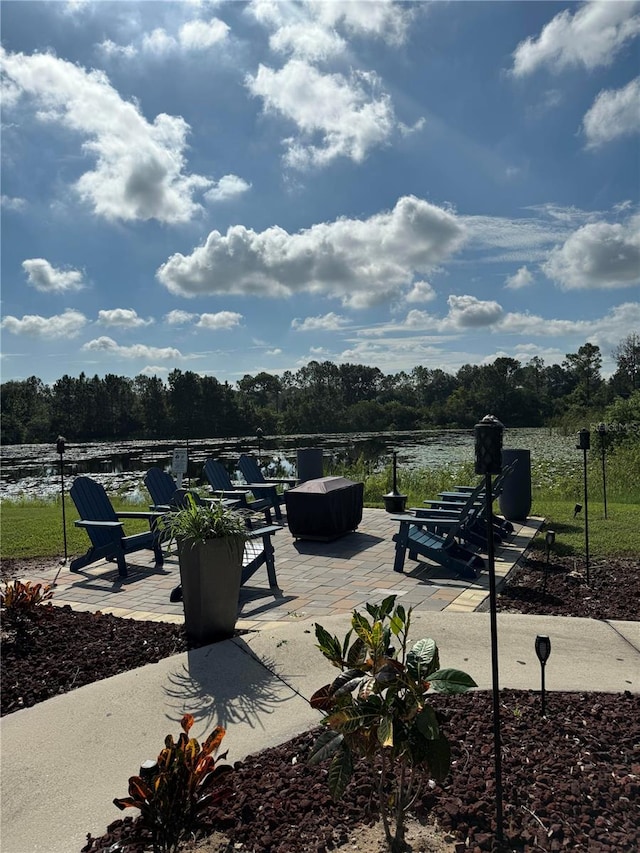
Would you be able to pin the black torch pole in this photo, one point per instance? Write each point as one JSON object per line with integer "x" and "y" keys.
{"x": 60, "y": 448}
{"x": 488, "y": 451}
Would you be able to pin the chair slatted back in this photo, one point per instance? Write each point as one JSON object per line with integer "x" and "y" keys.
{"x": 250, "y": 469}
{"x": 217, "y": 475}
{"x": 93, "y": 504}
{"x": 160, "y": 485}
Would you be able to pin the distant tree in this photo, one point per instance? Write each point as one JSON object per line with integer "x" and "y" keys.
{"x": 185, "y": 404}
{"x": 25, "y": 406}
{"x": 152, "y": 398}
{"x": 627, "y": 356}
{"x": 359, "y": 383}
{"x": 585, "y": 366}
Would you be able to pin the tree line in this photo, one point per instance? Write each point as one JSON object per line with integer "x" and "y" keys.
{"x": 319, "y": 397}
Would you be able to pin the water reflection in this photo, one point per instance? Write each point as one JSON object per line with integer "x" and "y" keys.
{"x": 34, "y": 469}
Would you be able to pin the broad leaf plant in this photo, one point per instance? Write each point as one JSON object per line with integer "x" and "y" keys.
{"x": 378, "y": 707}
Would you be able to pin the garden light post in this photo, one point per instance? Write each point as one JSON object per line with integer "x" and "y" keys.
{"x": 60, "y": 442}
{"x": 543, "y": 650}
{"x": 602, "y": 432}
{"x": 549, "y": 539}
{"x": 488, "y": 461}
{"x": 584, "y": 444}
{"x": 259, "y": 435}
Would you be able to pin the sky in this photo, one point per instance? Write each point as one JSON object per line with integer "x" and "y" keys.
{"x": 237, "y": 187}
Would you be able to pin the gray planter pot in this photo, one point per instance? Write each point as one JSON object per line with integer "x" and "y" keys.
{"x": 210, "y": 573}
{"x": 515, "y": 500}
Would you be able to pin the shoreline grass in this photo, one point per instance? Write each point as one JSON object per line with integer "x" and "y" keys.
{"x": 32, "y": 527}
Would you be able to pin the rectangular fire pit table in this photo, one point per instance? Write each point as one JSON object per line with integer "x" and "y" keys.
{"x": 324, "y": 509}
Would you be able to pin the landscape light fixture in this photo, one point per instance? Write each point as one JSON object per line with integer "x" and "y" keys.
{"x": 488, "y": 461}
{"x": 584, "y": 444}
{"x": 60, "y": 447}
{"x": 259, "y": 435}
{"x": 543, "y": 650}
{"x": 602, "y": 432}
{"x": 549, "y": 539}
{"x": 577, "y": 508}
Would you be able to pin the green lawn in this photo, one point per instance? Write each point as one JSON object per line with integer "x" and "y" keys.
{"x": 34, "y": 528}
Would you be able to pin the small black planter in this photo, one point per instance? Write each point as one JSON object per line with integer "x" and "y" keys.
{"x": 394, "y": 502}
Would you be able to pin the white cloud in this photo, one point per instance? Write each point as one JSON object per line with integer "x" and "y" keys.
{"x": 229, "y": 186}
{"x": 604, "y": 331}
{"x": 221, "y": 320}
{"x": 307, "y": 40}
{"x": 310, "y": 29}
{"x": 179, "y": 318}
{"x": 335, "y": 116}
{"x": 330, "y": 322}
{"x": 469, "y": 312}
{"x": 154, "y": 370}
{"x": 12, "y": 202}
{"x": 614, "y": 113}
{"x": 108, "y": 345}
{"x": 522, "y": 278}
{"x": 599, "y": 255}
{"x": 276, "y": 351}
{"x": 361, "y": 262}
{"x": 139, "y": 171}
{"x": 48, "y": 279}
{"x": 158, "y": 42}
{"x": 200, "y": 35}
{"x": 592, "y": 37}
{"x": 125, "y": 318}
{"x": 119, "y": 51}
{"x": 421, "y": 291}
{"x": 67, "y": 325}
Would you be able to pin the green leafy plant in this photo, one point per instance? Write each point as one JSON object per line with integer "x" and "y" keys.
{"x": 200, "y": 522}
{"x": 17, "y": 595}
{"x": 172, "y": 793}
{"x": 378, "y": 707}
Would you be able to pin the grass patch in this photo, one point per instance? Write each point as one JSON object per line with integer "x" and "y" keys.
{"x": 33, "y": 528}
{"x": 616, "y": 536}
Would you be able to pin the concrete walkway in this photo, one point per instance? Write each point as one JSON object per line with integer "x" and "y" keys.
{"x": 64, "y": 761}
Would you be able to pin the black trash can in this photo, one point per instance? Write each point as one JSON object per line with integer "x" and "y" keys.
{"x": 515, "y": 498}
{"x": 309, "y": 463}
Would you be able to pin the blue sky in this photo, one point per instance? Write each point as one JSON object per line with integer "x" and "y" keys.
{"x": 230, "y": 187}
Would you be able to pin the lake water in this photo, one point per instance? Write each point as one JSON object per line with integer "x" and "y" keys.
{"x": 33, "y": 470}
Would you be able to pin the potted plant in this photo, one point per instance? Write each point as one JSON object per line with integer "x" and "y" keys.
{"x": 210, "y": 540}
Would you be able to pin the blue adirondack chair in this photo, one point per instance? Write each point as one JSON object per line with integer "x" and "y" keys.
{"x": 453, "y": 501}
{"x": 470, "y": 527}
{"x": 105, "y": 529}
{"x": 415, "y": 536}
{"x": 161, "y": 486}
{"x": 222, "y": 487}
{"x": 252, "y": 473}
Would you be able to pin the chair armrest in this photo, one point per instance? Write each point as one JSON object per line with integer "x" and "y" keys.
{"x": 231, "y": 494}
{"x": 142, "y": 515}
{"x": 84, "y": 522}
{"x": 261, "y": 531}
{"x": 412, "y": 519}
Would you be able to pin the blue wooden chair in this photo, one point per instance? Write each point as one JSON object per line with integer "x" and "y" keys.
{"x": 105, "y": 529}
{"x": 416, "y": 537}
{"x": 222, "y": 487}
{"x": 161, "y": 486}
{"x": 256, "y": 481}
